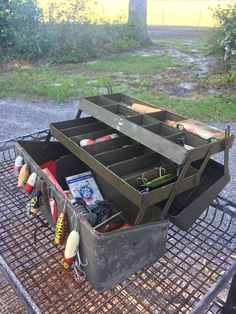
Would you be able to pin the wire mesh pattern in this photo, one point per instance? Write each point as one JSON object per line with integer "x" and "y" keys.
{"x": 193, "y": 262}
{"x": 9, "y": 301}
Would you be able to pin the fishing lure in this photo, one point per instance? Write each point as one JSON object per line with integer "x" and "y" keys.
{"x": 35, "y": 202}
{"x": 71, "y": 248}
{"x": 18, "y": 165}
{"x": 61, "y": 228}
{"x": 107, "y": 137}
{"x": 144, "y": 109}
{"x": 23, "y": 175}
{"x": 86, "y": 142}
{"x": 158, "y": 182}
{"x": 30, "y": 182}
{"x": 53, "y": 207}
{"x": 171, "y": 123}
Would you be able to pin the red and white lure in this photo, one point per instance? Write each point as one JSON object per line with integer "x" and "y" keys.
{"x": 53, "y": 207}
{"x": 71, "y": 247}
{"x": 107, "y": 137}
{"x": 72, "y": 259}
{"x": 30, "y": 182}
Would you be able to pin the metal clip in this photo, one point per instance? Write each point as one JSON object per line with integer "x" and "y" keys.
{"x": 78, "y": 260}
{"x": 181, "y": 140}
{"x": 178, "y": 170}
{"x": 79, "y": 273}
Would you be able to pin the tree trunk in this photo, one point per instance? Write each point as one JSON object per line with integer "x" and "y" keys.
{"x": 138, "y": 19}
{"x": 138, "y": 12}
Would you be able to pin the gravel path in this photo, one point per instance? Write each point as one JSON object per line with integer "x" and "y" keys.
{"x": 20, "y": 117}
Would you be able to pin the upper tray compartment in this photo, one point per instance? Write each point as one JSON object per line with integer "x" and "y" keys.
{"x": 152, "y": 130}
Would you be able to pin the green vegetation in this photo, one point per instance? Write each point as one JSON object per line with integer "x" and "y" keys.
{"x": 67, "y": 35}
{"x": 60, "y": 72}
{"x": 61, "y": 82}
{"x": 133, "y": 74}
{"x": 226, "y": 36}
{"x": 130, "y": 64}
{"x": 209, "y": 108}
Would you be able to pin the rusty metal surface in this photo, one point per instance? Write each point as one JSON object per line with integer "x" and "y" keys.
{"x": 174, "y": 284}
{"x": 9, "y": 301}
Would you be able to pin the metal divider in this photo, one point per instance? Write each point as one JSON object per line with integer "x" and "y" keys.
{"x": 93, "y": 135}
{"x": 165, "y": 115}
{"x": 129, "y": 166}
{"x": 121, "y": 154}
{"x": 121, "y": 110}
{"x": 107, "y": 146}
{"x": 73, "y": 131}
{"x": 161, "y": 129}
{"x": 73, "y": 123}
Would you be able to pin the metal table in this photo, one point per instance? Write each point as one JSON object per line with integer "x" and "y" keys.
{"x": 190, "y": 277}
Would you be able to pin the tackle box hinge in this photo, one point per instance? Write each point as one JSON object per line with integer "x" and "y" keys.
{"x": 175, "y": 188}
{"x": 226, "y": 152}
{"x": 202, "y": 167}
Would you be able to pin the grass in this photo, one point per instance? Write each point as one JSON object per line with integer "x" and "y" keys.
{"x": 211, "y": 108}
{"x": 136, "y": 74}
{"x": 74, "y": 80}
{"x": 129, "y": 64}
{"x": 47, "y": 82}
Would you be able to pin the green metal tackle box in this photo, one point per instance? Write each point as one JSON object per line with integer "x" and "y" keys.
{"x": 145, "y": 144}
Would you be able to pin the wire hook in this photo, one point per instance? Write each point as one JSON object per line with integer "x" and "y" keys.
{"x": 143, "y": 179}
{"x": 78, "y": 260}
{"x": 160, "y": 170}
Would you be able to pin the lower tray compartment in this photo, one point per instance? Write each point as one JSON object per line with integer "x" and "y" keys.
{"x": 111, "y": 256}
{"x": 188, "y": 206}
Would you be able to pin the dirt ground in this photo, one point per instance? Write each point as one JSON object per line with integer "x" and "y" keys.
{"x": 177, "y": 31}
{"x": 19, "y": 117}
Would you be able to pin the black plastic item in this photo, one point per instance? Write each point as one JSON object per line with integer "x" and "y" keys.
{"x": 81, "y": 206}
{"x": 103, "y": 210}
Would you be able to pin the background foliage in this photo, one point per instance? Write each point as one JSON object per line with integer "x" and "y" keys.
{"x": 226, "y": 37}
{"x": 66, "y": 35}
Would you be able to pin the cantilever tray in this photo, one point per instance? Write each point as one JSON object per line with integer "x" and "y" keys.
{"x": 150, "y": 129}
{"x": 121, "y": 161}
{"x": 145, "y": 143}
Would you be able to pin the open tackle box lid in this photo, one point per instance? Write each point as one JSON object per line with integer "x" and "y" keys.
{"x": 116, "y": 111}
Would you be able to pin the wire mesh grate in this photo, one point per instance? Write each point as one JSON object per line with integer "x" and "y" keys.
{"x": 174, "y": 284}
{"x": 9, "y": 301}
